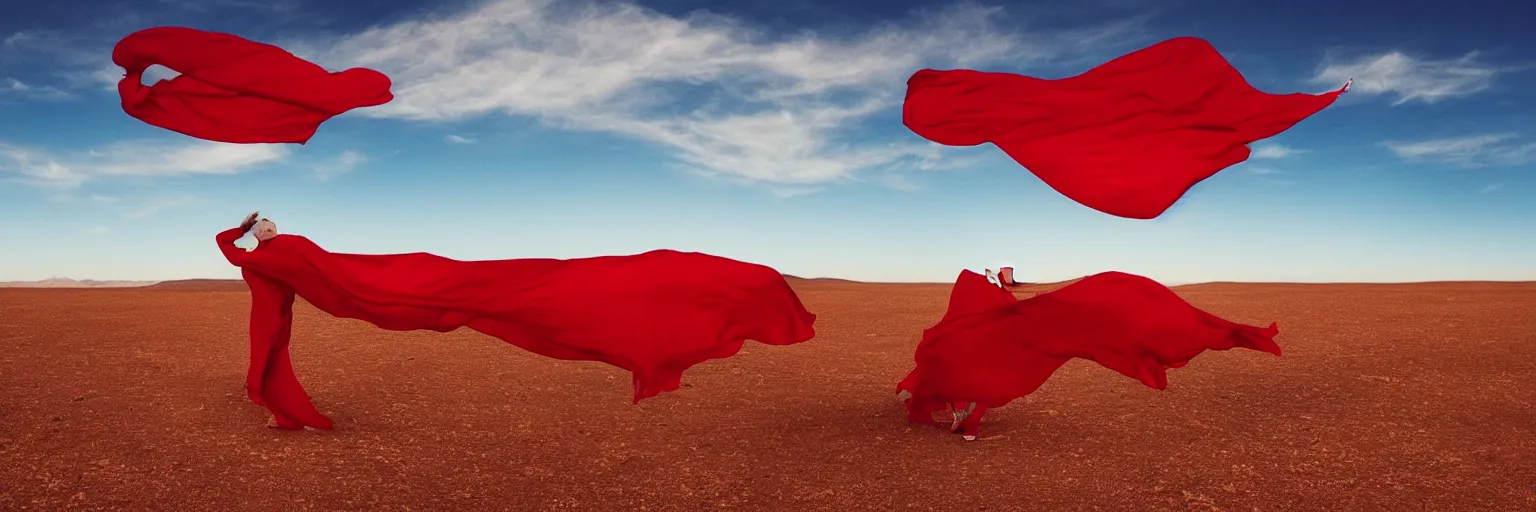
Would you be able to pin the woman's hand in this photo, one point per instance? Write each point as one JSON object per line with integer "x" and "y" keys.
{"x": 250, "y": 220}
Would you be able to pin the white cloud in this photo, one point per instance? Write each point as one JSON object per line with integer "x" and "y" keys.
{"x": 341, "y": 164}
{"x": 160, "y": 204}
{"x": 66, "y": 54}
{"x": 98, "y": 230}
{"x": 1492, "y": 187}
{"x": 1482, "y": 150}
{"x": 12, "y": 86}
{"x": 459, "y": 139}
{"x": 82, "y": 58}
{"x": 132, "y": 207}
{"x": 107, "y": 76}
{"x": 1263, "y": 171}
{"x": 899, "y": 182}
{"x": 139, "y": 159}
{"x": 755, "y": 108}
{"x": 1273, "y": 152}
{"x": 1412, "y": 79}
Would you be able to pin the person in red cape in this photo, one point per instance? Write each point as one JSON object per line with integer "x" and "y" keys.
{"x": 991, "y": 348}
{"x": 234, "y": 90}
{"x": 673, "y": 310}
{"x": 1127, "y": 138}
{"x": 1005, "y": 277}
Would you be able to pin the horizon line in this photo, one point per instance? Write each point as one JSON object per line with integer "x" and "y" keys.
{"x": 128, "y": 283}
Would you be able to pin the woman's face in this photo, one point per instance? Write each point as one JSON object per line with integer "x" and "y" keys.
{"x": 264, "y": 230}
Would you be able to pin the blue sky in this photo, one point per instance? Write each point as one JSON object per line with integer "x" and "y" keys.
{"x": 770, "y": 132}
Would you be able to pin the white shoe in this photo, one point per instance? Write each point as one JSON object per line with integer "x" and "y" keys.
{"x": 968, "y": 438}
{"x": 960, "y": 416}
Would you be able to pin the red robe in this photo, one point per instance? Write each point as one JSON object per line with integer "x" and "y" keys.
{"x": 235, "y": 90}
{"x": 655, "y": 314}
{"x": 991, "y": 348}
{"x": 1127, "y": 138}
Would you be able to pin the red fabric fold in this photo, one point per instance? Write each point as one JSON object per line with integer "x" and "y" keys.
{"x": 235, "y": 90}
{"x": 1127, "y": 138}
{"x": 991, "y": 348}
{"x": 655, "y": 314}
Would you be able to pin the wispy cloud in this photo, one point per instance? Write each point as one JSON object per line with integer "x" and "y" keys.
{"x": 459, "y": 139}
{"x": 70, "y": 61}
{"x": 131, "y": 207}
{"x": 159, "y": 204}
{"x": 343, "y": 163}
{"x": 81, "y": 57}
{"x": 137, "y": 159}
{"x": 1263, "y": 171}
{"x": 1273, "y": 152}
{"x": 12, "y": 86}
{"x": 96, "y": 231}
{"x": 1489, "y": 149}
{"x": 75, "y": 57}
{"x": 1492, "y": 187}
{"x": 899, "y": 182}
{"x": 1412, "y": 78}
{"x": 730, "y": 100}
{"x": 106, "y": 76}
{"x": 943, "y": 158}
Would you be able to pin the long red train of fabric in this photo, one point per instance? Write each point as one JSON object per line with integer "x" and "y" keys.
{"x": 655, "y": 314}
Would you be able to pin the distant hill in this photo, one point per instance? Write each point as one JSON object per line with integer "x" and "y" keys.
{"x": 199, "y": 285}
{"x": 788, "y": 277}
{"x": 64, "y": 282}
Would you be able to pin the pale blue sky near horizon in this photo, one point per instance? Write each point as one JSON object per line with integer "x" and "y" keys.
{"x": 770, "y": 132}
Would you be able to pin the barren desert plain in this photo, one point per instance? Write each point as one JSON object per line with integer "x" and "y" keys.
{"x": 1389, "y": 397}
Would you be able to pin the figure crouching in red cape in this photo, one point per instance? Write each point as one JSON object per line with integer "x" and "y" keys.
{"x": 991, "y": 348}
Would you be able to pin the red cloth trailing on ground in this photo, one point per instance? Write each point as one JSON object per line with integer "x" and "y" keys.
{"x": 235, "y": 90}
{"x": 991, "y": 348}
{"x": 671, "y": 311}
{"x": 1127, "y": 138}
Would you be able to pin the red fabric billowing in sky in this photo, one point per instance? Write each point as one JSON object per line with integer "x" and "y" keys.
{"x": 991, "y": 348}
{"x": 655, "y": 314}
{"x": 235, "y": 90}
{"x": 1127, "y": 138}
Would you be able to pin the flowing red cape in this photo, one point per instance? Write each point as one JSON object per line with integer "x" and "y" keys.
{"x": 991, "y": 348}
{"x": 655, "y": 314}
{"x": 1127, "y": 138}
{"x": 235, "y": 90}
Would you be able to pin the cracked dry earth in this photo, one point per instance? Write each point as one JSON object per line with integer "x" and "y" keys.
{"x": 1389, "y": 397}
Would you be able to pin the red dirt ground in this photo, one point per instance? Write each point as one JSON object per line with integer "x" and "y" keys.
{"x": 1389, "y": 397}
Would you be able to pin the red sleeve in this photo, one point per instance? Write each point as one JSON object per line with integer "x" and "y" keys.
{"x": 233, "y": 253}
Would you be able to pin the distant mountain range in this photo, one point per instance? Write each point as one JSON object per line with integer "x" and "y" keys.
{"x": 64, "y": 282}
